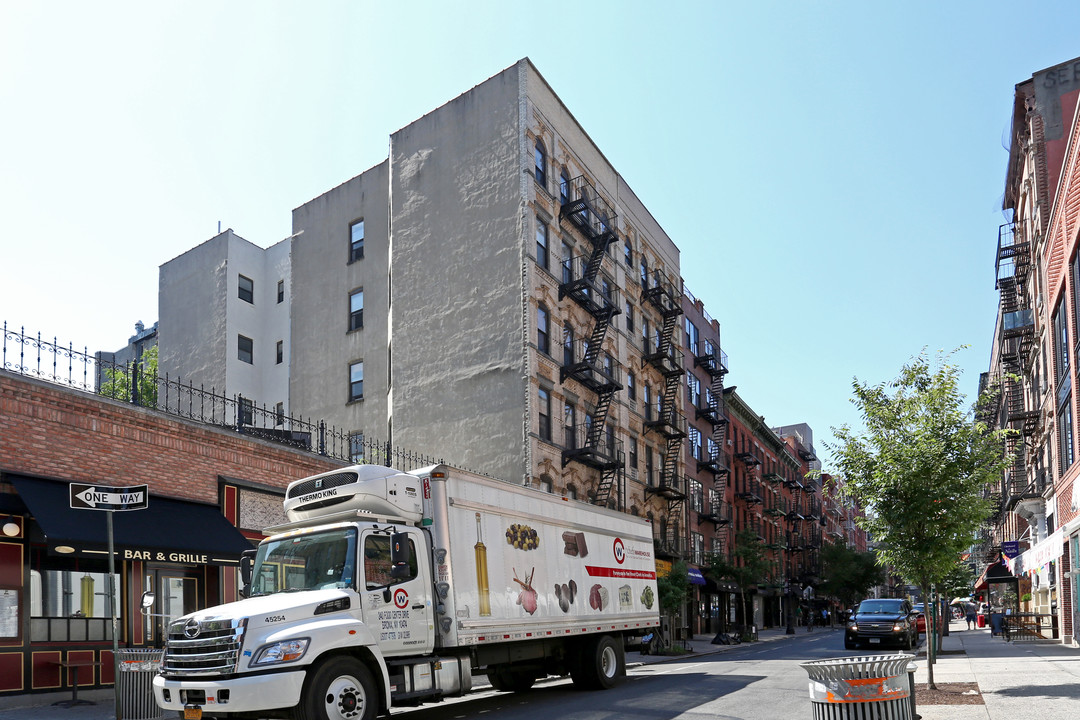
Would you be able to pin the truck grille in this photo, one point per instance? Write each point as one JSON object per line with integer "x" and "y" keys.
{"x": 211, "y": 647}
{"x": 323, "y": 483}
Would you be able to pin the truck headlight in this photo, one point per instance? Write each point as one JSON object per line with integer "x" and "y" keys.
{"x": 897, "y": 627}
{"x": 281, "y": 652}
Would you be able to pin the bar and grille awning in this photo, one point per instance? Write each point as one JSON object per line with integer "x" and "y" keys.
{"x": 167, "y": 530}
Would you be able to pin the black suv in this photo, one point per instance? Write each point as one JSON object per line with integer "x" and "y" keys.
{"x": 882, "y": 621}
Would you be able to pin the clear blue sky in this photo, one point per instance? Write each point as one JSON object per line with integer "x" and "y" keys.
{"x": 832, "y": 171}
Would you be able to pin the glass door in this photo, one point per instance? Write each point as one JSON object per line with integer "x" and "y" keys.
{"x": 176, "y": 593}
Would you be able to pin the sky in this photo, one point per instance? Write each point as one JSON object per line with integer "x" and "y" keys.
{"x": 832, "y": 172}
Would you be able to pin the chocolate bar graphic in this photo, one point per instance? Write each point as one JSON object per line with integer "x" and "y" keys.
{"x": 575, "y": 544}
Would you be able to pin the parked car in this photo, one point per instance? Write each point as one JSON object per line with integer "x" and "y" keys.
{"x": 882, "y": 621}
{"x": 920, "y": 620}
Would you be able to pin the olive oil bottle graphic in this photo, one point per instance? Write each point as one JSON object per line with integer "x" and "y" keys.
{"x": 482, "y": 571}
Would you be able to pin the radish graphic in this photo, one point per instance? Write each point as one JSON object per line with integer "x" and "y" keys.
{"x": 527, "y": 597}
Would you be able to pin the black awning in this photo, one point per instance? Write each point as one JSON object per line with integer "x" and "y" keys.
{"x": 168, "y": 530}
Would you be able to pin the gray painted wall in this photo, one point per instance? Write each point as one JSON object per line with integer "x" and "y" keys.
{"x": 322, "y": 347}
{"x": 457, "y": 257}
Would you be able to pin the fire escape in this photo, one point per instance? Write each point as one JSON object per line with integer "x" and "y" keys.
{"x": 592, "y": 443}
{"x": 1017, "y": 339}
{"x": 660, "y": 352}
{"x": 713, "y": 360}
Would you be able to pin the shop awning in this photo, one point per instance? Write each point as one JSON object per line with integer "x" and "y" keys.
{"x": 696, "y": 578}
{"x": 994, "y": 572}
{"x": 168, "y": 530}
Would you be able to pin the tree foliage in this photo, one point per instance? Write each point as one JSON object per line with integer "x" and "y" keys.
{"x": 848, "y": 574}
{"x": 747, "y": 565}
{"x": 119, "y": 379}
{"x": 919, "y": 468}
{"x": 673, "y": 589}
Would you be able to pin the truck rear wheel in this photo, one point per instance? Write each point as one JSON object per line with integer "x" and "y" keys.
{"x": 601, "y": 664}
{"x": 341, "y": 689}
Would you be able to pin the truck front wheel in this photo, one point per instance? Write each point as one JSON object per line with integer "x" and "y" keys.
{"x": 601, "y": 664}
{"x": 341, "y": 689}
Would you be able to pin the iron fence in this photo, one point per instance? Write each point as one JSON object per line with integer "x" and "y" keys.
{"x": 49, "y": 361}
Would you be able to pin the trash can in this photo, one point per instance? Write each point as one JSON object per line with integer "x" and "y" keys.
{"x": 871, "y": 687}
{"x": 135, "y": 684}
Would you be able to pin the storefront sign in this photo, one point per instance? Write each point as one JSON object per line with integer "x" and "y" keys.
{"x": 161, "y": 556}
{"x": 1048, "y": 550}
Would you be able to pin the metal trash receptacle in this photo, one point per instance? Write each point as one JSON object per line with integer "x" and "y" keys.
{"x": 868, "y": 687}
{"x": 135, "y": 684}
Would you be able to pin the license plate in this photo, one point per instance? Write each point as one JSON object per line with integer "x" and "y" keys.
{"x": 874, "y": 640}
{"x": 193, "y": 713}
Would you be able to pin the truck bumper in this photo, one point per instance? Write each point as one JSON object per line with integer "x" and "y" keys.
{"x": 262, "y": 692}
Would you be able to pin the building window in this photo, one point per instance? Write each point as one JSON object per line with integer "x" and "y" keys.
{"x": 631, "y": 386}
{"x": 246, "y": 411}
{"x": 691, "y": 336}
{"x": 545, "y": 483}
{"x": 567, "y": 263}
{"x": 1061, "y": 341}
{"x": 628, "y": 253}
{"x": 541, "y": 244}
{"x": 356, "y": 241}
{"x": 542, "y": 329}
{"x": 693, "y": 388}
{"x": 1065, "y": 435}
{"x": 633, "y": 452}
{"x": 356, "y": 381}
{"x": 695, "y": 443}
{"x": 356, "y": 310}
{"x": 544, "y": 426}
{"x": 571, "y": 492}
{"x": 280, "y": 351}
{"x": 645, "y": 336}
{"x": 280, "y": 291}
{"x": 245, "y": 349}
{"x": 696, "y": 495}
{"x": 541, "y": 163}
{"x": 569, "y": 421}
{"x": 279, "y": 414}
{"x": 568, "y": 344}
{"x": 644, "y": 270}
{"x": 246, "y": 289}
{"x": 648, "y": 465}
{"x": 629, "y": 317}
{"x": 356, "y": 448}
{"x": 564, "y": 187}
{"x": 645, "y": 395}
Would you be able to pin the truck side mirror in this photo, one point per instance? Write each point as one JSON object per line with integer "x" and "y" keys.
{"x": 247, "y": 563}
{"x": 400, "y": 556}
{"x": 147, "y": 599}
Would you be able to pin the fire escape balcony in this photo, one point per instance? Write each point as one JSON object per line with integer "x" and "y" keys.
{"x": 589, "y": 212}
{"x": 756, "y": 526}
{"x": 773, "y": 478}
{"x": 711, "y": 411}
{"x": 668, "y": 423}
{"x": 664, "y": 357}
{"x": 582, "y": 283}
{"x": 712, "y": 461}
{"x": 670, "y": 546}
{"x": 751, "y": 492}
{"x": 794, "y": 482}
{"x": 806, "y": 453}
{"x": 778, "y": 506}
{"x": 812, "y": 508}
{"x": 1013, "y": 258}
{"x": 669, "y": 486}
{"x": 710, "y": 358}
{"x": 597, "y": 374}
{"x": 663, "y": 295}
{"x": 593, "y": 447}
{"x": 718, "y": 513}
{"x": 747, "y": 458}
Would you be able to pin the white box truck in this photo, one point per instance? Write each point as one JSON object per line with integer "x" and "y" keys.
{"x": 389, "y": 589}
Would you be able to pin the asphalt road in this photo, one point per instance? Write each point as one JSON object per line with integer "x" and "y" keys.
{"x": 747, "y": 682}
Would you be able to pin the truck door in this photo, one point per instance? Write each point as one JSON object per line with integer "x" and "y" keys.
{"x": 398, "y": 611}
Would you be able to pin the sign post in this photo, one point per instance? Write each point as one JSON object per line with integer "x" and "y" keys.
{"x": 110, "y": 499}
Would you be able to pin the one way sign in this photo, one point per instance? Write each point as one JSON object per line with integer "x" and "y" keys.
{"x": 104, "y": 497}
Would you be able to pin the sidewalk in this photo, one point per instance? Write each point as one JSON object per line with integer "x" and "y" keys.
{"x": 1015, "y": 679}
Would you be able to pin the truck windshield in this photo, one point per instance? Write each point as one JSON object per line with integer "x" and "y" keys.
{"x": 312, "y": 561}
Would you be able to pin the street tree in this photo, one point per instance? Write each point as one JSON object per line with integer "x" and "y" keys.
{"x": 673, "y": 589}
{"x": 848, "y": 574}
{"x": 920, "y": 467}
{"x": 746, "y": 565}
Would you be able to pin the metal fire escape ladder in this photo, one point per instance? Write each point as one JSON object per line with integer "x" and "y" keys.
{"x": 587, "y": 211}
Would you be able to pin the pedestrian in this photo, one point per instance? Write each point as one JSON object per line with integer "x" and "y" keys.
{"x": 969, "y": 614}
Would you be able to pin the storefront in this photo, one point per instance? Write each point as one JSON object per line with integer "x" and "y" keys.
{"x": 56, "y": 605}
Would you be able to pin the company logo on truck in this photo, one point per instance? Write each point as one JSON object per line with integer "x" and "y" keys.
{"x": 620, "y": 551}
{"x": 317, "y": 495}
{"x": 401, "y": 598}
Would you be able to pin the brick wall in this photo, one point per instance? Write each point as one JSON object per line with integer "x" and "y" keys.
{"x": 61, "y": 433}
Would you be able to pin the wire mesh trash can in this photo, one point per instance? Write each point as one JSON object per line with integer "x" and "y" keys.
{"x": 135, "y": 684}
{"x": 871, "y": 687}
